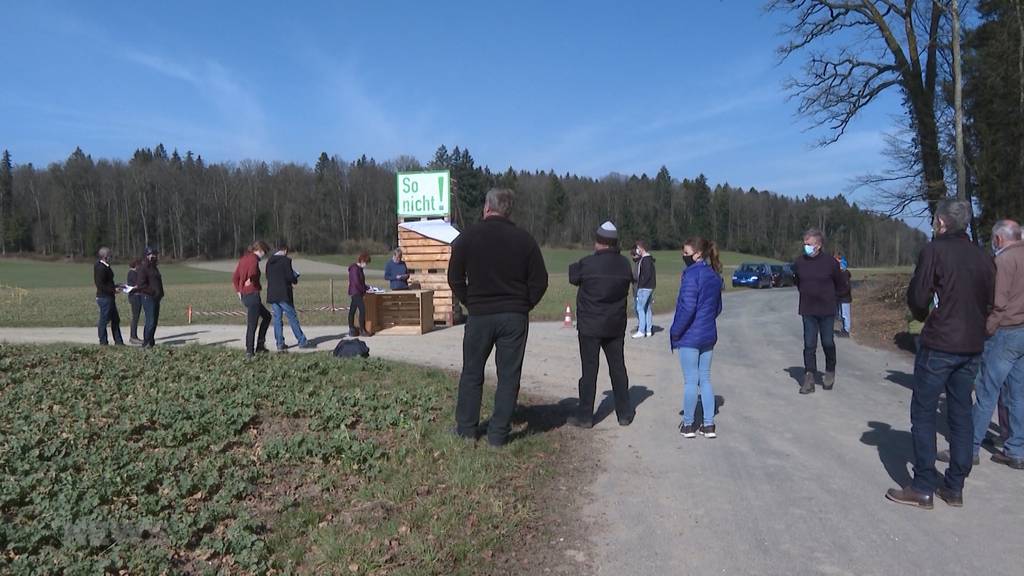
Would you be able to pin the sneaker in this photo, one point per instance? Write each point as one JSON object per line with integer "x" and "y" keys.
{"x": 261, "y": 350}
{"x": 249, "y": 356}
{"x": 649, "y": 334}
{"x": 135, "y": 342}
{"x": 688, "y": 431}
{"x": 282, "y": 349}
{"x": 638, "y": 335}
{"x": 708, "y": 431}
{"x": 307, "y": 345}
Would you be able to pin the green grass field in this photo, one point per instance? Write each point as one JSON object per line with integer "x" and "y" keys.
{"x": 192, "y": 460}
{"x": 38, "y": 293}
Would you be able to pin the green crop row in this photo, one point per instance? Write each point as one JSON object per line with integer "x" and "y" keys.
{"x": 193, "y": 460}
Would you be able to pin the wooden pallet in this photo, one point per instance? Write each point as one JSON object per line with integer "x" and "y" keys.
{"x": 427, "y": 260}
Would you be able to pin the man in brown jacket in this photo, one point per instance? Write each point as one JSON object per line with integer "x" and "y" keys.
{"x": 1002, "y": 369}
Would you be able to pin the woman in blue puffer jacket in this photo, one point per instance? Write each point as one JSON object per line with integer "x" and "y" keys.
{"x": 694, "y": 332}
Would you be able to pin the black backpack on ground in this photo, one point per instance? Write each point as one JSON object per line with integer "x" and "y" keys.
{"x": 352, "y": 349}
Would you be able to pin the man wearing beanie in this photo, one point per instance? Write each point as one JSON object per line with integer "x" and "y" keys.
{"x": 603, "y": 279}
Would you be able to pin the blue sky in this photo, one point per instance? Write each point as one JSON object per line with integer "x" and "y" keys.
{"x": 589, "y": 87}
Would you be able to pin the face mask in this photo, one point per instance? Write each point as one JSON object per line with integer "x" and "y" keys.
{"x": 809, "y": 250}
{"x": 688, "y": 259}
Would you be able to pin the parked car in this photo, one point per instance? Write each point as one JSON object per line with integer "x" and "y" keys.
{"x": 753, "y": 275}
{"x": 782, "y": 275}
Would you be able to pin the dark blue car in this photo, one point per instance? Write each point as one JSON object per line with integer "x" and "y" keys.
{"x": 753, "y": 276}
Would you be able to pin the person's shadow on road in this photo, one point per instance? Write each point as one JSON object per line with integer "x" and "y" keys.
{"x": 540, "y": 418}
{"x": 637, "y": 395}
{"x": 901, "y": 378}
{"x": 797, "y": 374}
{"x": 895, "y": 449}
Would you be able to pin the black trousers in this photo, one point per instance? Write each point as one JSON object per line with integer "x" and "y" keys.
{"x": 824, "y": 325}
{"x": 507, "y": 334}
{"x": 359, "y": 304}
{"x": 590, "y": 357}
{"x": 256, "y": 314}
{"x": 136, "y": 303}
{"x": 108, "y": 315}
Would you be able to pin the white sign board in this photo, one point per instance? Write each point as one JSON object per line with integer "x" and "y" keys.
{"x": 424, "y": 193}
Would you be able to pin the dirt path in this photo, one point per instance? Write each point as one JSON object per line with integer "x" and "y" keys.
{"x": 793, "y": 485}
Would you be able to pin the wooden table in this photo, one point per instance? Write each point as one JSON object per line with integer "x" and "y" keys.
{"x": 400, "y": 312}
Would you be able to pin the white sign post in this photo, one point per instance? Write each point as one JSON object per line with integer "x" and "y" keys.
{"x": 422, "y": 194}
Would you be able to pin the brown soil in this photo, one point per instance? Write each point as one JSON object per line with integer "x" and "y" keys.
{"x": 880, "y": 313}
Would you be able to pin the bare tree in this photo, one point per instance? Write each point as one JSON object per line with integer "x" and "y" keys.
{"x": 857, "y": 50}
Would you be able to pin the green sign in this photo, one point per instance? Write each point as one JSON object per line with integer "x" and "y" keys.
{"x": 424, "y": 193}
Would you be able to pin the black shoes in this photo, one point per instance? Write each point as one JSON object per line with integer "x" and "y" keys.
{"x": 808, "y": 386}
{"x": 910, "y": 497}
{"x": 1002, "y": 458}
{"x": 708, "y": 431}
{"x": 581, "y": 422}
{"x": 628, "y": 420}
{"x": 954, "y": 499}
{"x": 829, "y": 380}
{"x": 943, "y": 456}
{"x": 688, "y": 431}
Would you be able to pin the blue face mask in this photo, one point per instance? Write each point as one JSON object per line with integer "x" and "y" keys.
{"x": 808, "y": 249}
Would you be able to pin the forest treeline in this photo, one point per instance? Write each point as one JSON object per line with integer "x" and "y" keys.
{"x": 191, "y": 208}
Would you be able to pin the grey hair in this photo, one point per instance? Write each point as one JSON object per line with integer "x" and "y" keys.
{"x": 955, "y": 214}
{"x": 1007, "y": 230}
{"x": 103, "y": 252}
{"x": 815, "y": 233}
{"x": 500, "y": 201}
{"x": 397, "y": 252}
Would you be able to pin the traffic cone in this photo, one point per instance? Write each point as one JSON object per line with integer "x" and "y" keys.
{"x": 568, "y": 317}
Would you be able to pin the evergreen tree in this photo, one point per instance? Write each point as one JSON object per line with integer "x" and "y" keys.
{"x": 6, "y": 199}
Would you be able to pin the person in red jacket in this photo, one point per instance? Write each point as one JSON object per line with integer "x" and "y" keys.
{"x": 247, "y": 284}
{"x": 357, "y": 288}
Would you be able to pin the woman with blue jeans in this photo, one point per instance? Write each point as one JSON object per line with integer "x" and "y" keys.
{"x": 645, "y": 284}
{"x": 694, "y": 331}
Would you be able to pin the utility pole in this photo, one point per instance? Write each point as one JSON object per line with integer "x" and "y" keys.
{"x": 961, "y": 173}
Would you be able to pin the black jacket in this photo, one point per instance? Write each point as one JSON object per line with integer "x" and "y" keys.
{"x": 645, "y": 275}
{"x": 280, "y": 279}
{"x": 151, "y": 283}
{"x": 963, "y": 277}
{"x": 603, "y": 278}
{"x": 819, "y": 281}
{"x": 845, "y": 295}
{"x": 103, "y": 277}
{"x": 496, "y": 267}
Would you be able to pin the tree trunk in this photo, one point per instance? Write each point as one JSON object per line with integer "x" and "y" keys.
{"x": 958, "y": 108}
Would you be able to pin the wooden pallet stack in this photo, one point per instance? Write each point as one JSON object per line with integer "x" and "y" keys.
{"x": 427, "y": 258}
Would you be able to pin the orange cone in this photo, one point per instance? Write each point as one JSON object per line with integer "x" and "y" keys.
{"x": 568, "y": 317}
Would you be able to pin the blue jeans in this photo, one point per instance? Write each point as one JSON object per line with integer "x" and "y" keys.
{"x": 108, "y": 315}
{"x": 825, "y": 326}
{"x": 644, "y": 298}
{"x": 844, "y": 313}
{"x": 151, "y": 306}
{"x": 293, "y": 320}
{"x": 936, "y": 372}
{"x": 1002, "y": 371}
{"x": 696, "y": 365}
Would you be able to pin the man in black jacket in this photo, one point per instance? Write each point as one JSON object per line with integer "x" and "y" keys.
{"x": 151, "y": 291}
{"x": 603, "y": 278}
{"x": 498, "y": 272}
{"x": 106, "y": 290}
{"x": 646, "y": 280}
{"x": 819, "y": 281}
{"x": 280, "y": 279}
{"x": 961, "y": 277}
